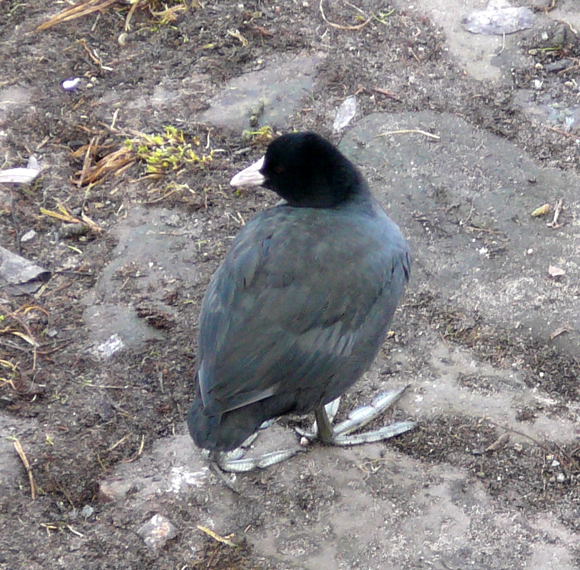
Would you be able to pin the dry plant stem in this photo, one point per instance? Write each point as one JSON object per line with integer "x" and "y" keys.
{"x": 215, "y": 535}
{"x": 339, "y": 26}
{"x": 557, "y": 211}
{"x": 91, "y": 53}
{"x": 87, "y": 161}
{"x": 386, "y": 93}
{"x": 75, "y": 12}
{"x": 565, "y": 456}
{"x": 138, "y": 453}
{"x": 410, "y": 131}
{"x": 20, "y": 450}
{"x": 564, "y": 133}
{"x": 500, "y": 442}
{"x": 129, "y": 16}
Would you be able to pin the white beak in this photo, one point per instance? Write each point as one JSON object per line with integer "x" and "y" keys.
{"x": 250, "y": 176}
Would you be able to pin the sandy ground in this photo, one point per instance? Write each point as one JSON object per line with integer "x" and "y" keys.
{"x": 461, "y": 135}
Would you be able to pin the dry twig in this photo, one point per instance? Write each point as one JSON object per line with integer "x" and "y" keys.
{"x": 216, "y": 536}
{"x": 557, "y": 210}
{"x": 564, "y": 133}
{"x": 139, "y": 451}
{"x": 410, "y": 131}
{"x": 386, "y": 93}
{"x": 500, "y": 442}
{"x": 20, "y": 450}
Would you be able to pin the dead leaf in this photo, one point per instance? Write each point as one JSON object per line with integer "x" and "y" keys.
{"x": 25, "y": 337}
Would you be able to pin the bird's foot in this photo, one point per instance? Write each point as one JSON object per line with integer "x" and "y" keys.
{"x": 358, "y": 418}
{"x": 239, "y": 464}
{"x": 235, "y": 462}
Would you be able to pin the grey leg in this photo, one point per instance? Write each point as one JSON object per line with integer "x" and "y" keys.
{"x": 357, "y": 419}
{"x": 324, "y": 427}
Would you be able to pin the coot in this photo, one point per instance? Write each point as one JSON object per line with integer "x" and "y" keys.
{"x": 300, "y": 306}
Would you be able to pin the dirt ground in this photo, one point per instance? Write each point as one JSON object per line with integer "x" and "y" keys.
{"x": 97, "y": 366}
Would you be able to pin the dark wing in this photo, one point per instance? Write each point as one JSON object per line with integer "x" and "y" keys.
{"x": 282, "y": 314}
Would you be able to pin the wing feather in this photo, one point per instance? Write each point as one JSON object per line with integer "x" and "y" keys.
{"x": 279, "y": 314}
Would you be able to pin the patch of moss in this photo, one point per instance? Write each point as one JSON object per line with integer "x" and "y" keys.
{"x": 169, "y": 151}
{"x": 260, "y": 137}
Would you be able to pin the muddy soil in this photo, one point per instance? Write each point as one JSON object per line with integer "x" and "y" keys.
{"x": 462, "y": 137}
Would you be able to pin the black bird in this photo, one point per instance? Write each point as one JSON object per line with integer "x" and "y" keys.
{"x": 300, "y": 306}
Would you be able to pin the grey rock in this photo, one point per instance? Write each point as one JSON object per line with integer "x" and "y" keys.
{"x": 19, "y": 276}
{"x": 157, "y": 531}
{"x": 268, "y": 96}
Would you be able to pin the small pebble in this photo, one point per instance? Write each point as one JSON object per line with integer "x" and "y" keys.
{"x": 71, "y": 84}
{"x": 29, "y": 235}
{"x": 559, "y": 65}
{"x": 157, "y": 531}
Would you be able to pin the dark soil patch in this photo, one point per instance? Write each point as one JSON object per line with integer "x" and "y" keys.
{"x": 90, "y": 417}
{"x": 528, "y": 476}
{"x": 544, "y": 365}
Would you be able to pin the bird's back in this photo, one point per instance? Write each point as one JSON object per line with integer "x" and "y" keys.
{"x": 294, "y": 315}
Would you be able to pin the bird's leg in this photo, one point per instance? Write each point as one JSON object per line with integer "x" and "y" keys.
{"x": 358, "y": 418}
{"x": 323, "y": 425}
{"x": 330, "y": 411}
{"x": 235, "y": 462}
